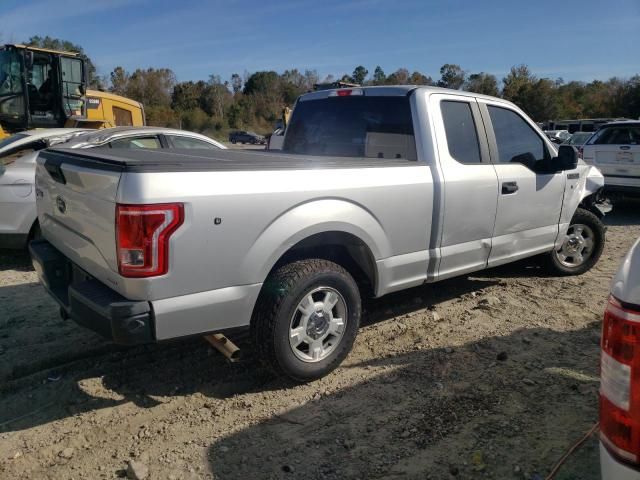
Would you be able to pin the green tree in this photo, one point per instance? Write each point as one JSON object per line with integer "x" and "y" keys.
{"x": 399, "y": 77}
{"x": 119, "y": 79}
{"x": 236, "y": 83}
{"x": 483, "y": 83}
{"x": 452, "y": 76}
{"x": 418, "y": 78}
{"x": 261, "y": 82}
{"x": 359, "y": 74}
{"x": 379, "y": 77}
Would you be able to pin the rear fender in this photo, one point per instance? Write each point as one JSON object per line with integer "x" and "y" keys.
{"x": 307, "y": 219}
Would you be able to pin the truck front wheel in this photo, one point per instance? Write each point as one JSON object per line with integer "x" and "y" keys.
{"x": 306, "y": 319}
{"x": 582, "y": 246}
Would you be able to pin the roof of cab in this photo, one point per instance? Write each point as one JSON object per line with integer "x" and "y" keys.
{"x": 398, "y": 91}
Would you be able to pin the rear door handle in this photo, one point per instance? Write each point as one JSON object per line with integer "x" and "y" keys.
{"x": 509, "y": 188}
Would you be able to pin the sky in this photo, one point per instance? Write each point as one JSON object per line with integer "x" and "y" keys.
{"x": 572, "y": 39}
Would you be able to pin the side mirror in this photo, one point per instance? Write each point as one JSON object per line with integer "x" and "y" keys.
{"x": 567, "y": 158}
{"x": 28, "y": 59}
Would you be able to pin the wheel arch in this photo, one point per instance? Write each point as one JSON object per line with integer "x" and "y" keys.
{"x": 330, "y": 228}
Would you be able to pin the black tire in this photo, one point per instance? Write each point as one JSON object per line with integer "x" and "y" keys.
{"x": 278, "y": 303}
{"x": 233, "y": 141}
{"x": 35, "y": 233}
{"x": 582, "y": 217}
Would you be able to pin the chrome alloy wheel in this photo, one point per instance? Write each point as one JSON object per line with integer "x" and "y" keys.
{"x": 577, "y": 246}
{"x": 318, "y": 324}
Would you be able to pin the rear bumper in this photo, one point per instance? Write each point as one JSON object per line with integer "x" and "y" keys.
{"x": 611, "y": 469}
{"x": 89, "y": 302}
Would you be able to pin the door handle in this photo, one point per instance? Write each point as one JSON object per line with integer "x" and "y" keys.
{"x": 509, "y": 187}
{"x": 625, "y": 147}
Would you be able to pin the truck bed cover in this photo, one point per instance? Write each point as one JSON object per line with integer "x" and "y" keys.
{"x": 173, "y": 159}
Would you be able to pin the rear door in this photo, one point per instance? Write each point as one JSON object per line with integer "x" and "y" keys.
{"x": 615, "y": 150}
{"x": 470, "y": 184}
{"x": 529, "y": 203}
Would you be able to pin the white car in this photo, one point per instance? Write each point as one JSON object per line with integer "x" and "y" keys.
{"x": 18, "y": 153}
{"x": 615, "y": 150}
{"x": 17, "y": 171}
{"x": 620, "y": 374}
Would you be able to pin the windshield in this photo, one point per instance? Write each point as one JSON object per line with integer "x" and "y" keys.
{"x": 10, "y": 75}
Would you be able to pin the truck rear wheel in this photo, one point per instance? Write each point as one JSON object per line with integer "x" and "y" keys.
{"x": 581, "y": 247}
{"x": 306, "y": 319}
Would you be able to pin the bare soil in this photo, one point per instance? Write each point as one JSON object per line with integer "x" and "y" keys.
{"x": 493, "y": 375}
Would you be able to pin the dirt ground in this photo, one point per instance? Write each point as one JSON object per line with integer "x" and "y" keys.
{"x": 488, "y": 376}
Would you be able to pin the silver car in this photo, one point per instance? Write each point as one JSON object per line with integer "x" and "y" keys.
{"x": 18, "y": 153}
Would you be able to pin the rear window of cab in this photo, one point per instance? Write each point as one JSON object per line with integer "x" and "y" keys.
{"x": 353, "y": 126}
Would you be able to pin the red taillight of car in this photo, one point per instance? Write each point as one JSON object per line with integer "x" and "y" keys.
{"x": 142, "y": 233}
{"x": 620, "y": 381}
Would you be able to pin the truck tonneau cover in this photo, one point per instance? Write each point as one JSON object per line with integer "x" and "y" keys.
{"x": 175, "y": 159}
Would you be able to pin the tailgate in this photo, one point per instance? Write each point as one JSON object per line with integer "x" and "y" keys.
{"x": 76, "y": 208}
{"x": 618, "y": 160}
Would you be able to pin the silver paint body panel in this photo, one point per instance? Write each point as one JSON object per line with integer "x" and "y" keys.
{"x": 421, "y": 221}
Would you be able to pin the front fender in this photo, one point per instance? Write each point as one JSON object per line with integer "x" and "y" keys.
{"x": 577, "y": 191}
{"x": 311, "y": 218}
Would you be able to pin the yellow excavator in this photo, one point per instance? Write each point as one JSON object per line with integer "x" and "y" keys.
{"x": 41, "y": 88}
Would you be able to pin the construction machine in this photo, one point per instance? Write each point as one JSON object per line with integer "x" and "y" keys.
{"x": 42, "y": 88}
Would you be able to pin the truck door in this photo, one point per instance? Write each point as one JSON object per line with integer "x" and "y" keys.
{"x": 469, "y": 183}
{"x": 529, "y": 202}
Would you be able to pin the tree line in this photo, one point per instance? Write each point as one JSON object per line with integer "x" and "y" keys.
{"x": 255, "y": 100}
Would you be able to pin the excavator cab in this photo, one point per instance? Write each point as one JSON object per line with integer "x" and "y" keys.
{"x": 40, "y": 88}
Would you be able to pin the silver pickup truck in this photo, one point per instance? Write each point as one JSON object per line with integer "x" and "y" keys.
{"x": 376, "y": 190}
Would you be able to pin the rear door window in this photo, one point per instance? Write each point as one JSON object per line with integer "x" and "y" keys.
{"x": 353, "y": 126}
{"x": 462, "y": 136}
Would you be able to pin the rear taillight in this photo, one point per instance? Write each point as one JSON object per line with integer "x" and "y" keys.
{"x": 580, "y": 150}
{"x": 620, "y": 381}
{"x": 142, "y": 233}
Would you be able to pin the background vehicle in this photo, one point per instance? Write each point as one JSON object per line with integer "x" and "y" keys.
{"x": 143, "y": 137}
{"x": 578, "y": 139}
{"x": 18, "y": 215}
{"x": 579, "y": 124}
{"x": 620, "y": 374}
{"x": 42, "y": 88}
{"x": 243, "y": 137}
{"x": 615, "y": 150}
{"x": 557, "y": 136}
{"x": 286, "y": 244}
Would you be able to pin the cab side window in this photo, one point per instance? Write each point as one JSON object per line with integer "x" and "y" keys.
{"x": 517, "y": 142}
{"x": 462, "y": 136}
{"x": 188, "y": 142}
{"x": 136, "y": 143}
